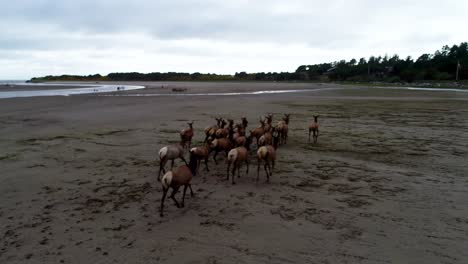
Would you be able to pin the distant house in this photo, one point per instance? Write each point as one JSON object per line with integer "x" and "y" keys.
{"x": 331, "y": 70}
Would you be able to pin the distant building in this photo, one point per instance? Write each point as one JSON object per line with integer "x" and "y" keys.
{"x": 331, "y": 70}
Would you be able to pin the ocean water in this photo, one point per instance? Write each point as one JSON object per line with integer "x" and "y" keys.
{"x": 4, "y": 82}
{"x": 85, "y": 89}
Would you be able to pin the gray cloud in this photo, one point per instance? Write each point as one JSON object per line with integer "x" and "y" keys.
{"x": 318, "y": 31}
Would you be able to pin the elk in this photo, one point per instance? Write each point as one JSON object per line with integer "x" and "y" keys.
{"x": 314, "y": 127}
{"x": 167, "y": 153}
{"x": 266, "y": 139}
{"x": 201, "y": 153}
{"x": 236, "y": 157}
{"x": 224, "y": 131}
{"x": 242, "y": 141}
{"x": 244, "y": 122}
{"x": 174, "y": 179}
{"x": 238, "y": 131}
{"x": 259, "y": 131}
{"x": 221, "y": 144}
{"x": 283, "y": 127}
{"x": 186, "y": 135}
{"x": 211, "y": 130}
{"x": 267, "y": 155}
{"x": 269, "y": 119}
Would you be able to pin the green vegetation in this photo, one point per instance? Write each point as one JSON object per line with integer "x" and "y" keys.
{"x": 49, "y": 78}
{"x": 440, "y": 66}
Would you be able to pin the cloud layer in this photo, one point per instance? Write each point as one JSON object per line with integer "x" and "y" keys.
{"x": 81, "y": 37}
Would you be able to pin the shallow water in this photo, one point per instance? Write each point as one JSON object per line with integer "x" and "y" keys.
{"x": 86, "y": 89}
{"x": 227, "y": 93}
{"x": 283, "y": 91}
{"x": 438, "y": 89}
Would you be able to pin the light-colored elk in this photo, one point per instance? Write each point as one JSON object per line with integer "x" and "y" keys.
{"x": 175, "y": 179}
{"x": 236, "y": 157}
{"x": 167, "y": 153}
{"x": 314, "y": 127}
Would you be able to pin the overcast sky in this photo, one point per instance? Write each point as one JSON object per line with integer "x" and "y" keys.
{"x": 41, "y": 37}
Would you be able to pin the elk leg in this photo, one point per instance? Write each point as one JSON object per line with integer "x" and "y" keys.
{"x": 183, "y": 196}
{"x": 227, "y": 174}
{"x": 270, "y": 170}
{"x": 162, "y": 163}
{"x": 233, "y": 173}
{"x": 191, "y": 191}
{"x": 162, "y": 202}
{"x": 182, "y": 158}
{"x": 247, "y": 164}
{"x": 238, "y": 170}
{"x": 206, "y": 164}
{"x": 258, "y": 169}
{"x": 214, "y": 157}
{"x": 174, "y": 191}
{"x": 172, "y": 164}
{"x": 309, "y": 136}
{"x": 266, "y": 170}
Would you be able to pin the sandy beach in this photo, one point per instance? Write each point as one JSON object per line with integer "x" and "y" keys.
{"x": 386, "y": 182}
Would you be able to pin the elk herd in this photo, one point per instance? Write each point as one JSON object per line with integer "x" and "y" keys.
{"x": 232, "y": 140}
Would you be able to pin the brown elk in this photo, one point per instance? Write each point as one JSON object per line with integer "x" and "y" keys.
{"x": 283, "y": 127}
{"x": 269, "y": 120}
{"x": 259, "y": 131}
{"x": 266, "y": 139}
{"x": 211, "y": 130}
{"x": 244, "y": 122}
{"x": 222, "y": 144}
{"x": 224, "y": 131}
{"x": 186, "y": 135}
{"x": 314, "y": 127}
{"x": 174, "y": 179}
{"x": 167, "y": 153}
{"x": 267, "y": 155}
{"x": 238, "y": 131}
{"x": 201, "y": 153}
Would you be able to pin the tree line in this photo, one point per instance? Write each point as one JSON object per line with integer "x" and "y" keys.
{"x": 442, "y": 65}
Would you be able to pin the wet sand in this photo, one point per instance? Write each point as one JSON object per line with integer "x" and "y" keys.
{"x": 386, "y": 182}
